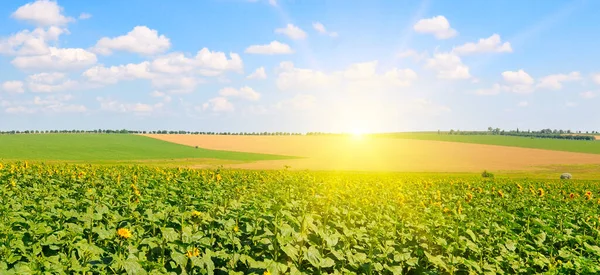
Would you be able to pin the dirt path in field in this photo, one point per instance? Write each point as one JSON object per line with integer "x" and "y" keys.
{"x": 382, "y": 154}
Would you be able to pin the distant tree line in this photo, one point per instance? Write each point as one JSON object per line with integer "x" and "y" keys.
{"x": 544, "y": 133}
{"x": 125, "y": 131}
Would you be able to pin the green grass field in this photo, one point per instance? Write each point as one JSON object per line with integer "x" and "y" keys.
{"x": 109, "y": 148}
{"x": 579, "y": 146}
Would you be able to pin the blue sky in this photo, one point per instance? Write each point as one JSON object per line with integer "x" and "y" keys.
{"x": 291, "y": 65}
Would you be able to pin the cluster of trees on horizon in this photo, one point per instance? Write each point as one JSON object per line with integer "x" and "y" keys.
{"x": 544, "y": 133}
{"x": 125, "y": 131}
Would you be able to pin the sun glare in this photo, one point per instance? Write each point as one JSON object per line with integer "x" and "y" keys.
{"x": 357, "y": 133}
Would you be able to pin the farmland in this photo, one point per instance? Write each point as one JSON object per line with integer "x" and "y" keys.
{"x": 115, "y": 219}
{"x": 110, "y": 148}
{"x": 578, "y": 146}
{"x": 388, "y": 154}
{"x": 117, "y": 203}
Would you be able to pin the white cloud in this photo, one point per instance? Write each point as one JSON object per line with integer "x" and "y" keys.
{"x": 570, "y": 104}
{"x": 141, "y": 40}
{"x": 588, "y": 95}
{"x": 244, "y": 92}
{"x": 111, "y": 105}
{"x": 437, "y": 25}
{"x": 523, "y": 104}
{"x": 259, "y": 73}
{"x": 58, "y": 59}
{"x": 114, "y": 74}
{"x": 50, "y": 82}
{"x": 298, "y": 102}
{"x": 596, "y": 78}
{"x": 290, "y": 78}
{"x": 49, "y": 78}
{"x": 273, "y": 2}
{"x": 357, "y": 77}
{"x": 176, "y": 85}
{"x": 275, "y": 47}
{"x": 518, "y": 81}
{"x": 42, "y": 13}
{"x": 448, "y": 66}
{"x": 555, "y": 81}
{"x": 519, "y": 77}
{"x": 218, "y": 104}
{"x": 15, "y": 87}
{"x": 492, "y": 44}
{"x": 84, "y": 16}
{"x": 292, "y": 32}
{"x": 206, "y": 62}
{"x": 47, "y": 104}
{"x": 322, "y": 30}
{"x": 28, "y": 42}
{"x": 219, "y": 61}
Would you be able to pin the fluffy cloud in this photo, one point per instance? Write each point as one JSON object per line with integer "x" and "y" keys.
{"x": 292, "y": 32}
{"x": 244, "y": 92}
{"x": 50, "y": 82}
{"x": 518, "y": 81}
{"x": 47, "y": 104}
{"x": 523, "y": 103}
{"x": 492, "y": 44}
{"x": 14, "y": 86}
{"x": 555, "y": 81}
{"x": 322, "y": 30}
{"x": 218, "y": 104}
{"x": 357, "y": 77}
{"x": 437, "y": 25}
{"x": 448, "y": 66}
{"x": 114, "y": 74}
{"x": 273, "y": 2}
{"x": 111, "y": 105}
{"x": 42, "y": 13}
{"x": 58, "y": 59}
{"x": 141, "y": 40}
{"x": 173, "y": 73}
{"x": 275, "y": 47}
{"x": 588, "y": 95}
{"x": 298, "y": 102}
{"x": 519, "y": 77}
{"x": 206, "y": 62}
{"x": 176, "y": 85}
{"x": 218, "y": 60}
{"x": 28, "y": 42}
{"x": 259, "y": 73}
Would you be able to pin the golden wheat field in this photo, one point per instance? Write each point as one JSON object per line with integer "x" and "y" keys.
{"x": 382, "y": 154}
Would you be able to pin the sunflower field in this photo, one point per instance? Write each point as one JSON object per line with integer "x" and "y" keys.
{"x": 85, "y": 219}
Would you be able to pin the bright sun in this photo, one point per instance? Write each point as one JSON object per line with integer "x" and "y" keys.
{"x": 357, "y": 133}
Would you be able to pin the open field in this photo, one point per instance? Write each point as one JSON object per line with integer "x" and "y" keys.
{"x": 386, "y": 154}
{"x": 112, "y": 148}
{"x": 579, "y": 146}
{"x": 66, "y": 219}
